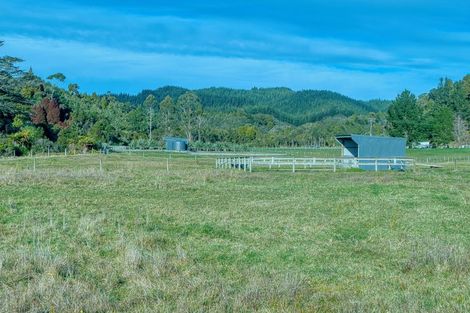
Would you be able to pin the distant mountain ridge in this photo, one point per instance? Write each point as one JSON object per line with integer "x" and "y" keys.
{"x": 294, "y": 107}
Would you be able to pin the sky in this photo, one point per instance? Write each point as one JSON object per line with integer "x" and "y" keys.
{"x": 364, "y": 49}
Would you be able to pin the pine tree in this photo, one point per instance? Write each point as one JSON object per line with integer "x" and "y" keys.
{"x": 405, "y": 117}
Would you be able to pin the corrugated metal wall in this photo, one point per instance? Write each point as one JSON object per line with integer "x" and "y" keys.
{"x": 361, "y": 146}
{"x": 176, "y": 144}
{"x": 379, "y": 147}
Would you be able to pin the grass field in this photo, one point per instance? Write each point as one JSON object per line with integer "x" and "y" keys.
{"x": 438, "y": 155}
{"x": 136, "y": 238}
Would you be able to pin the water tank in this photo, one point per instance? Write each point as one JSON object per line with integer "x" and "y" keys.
{"x": 169, "y": 145}
{"x": 180, "y": 146}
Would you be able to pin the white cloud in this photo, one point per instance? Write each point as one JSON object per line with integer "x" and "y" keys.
{"x": 100, "y": 69}
{"x": 174, "y": 34}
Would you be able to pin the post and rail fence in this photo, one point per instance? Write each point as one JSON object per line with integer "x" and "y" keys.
{"x": 376, "y": 164}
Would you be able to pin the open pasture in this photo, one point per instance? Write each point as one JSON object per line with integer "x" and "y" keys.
{"x": 150, "y": 233}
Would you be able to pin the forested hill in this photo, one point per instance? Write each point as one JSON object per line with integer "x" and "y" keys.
{"x": 38, "y": 115}
{"x": 294, "y": 107}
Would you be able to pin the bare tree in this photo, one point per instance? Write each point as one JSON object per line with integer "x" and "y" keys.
{"x": 200, "y": 121}
{"x": 461, "y": 133}
{"x": 149, "y": 103}
{"x": 188, "y": 105}
{"x": 167, "y": 115}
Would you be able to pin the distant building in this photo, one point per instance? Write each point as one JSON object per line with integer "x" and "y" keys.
{"x": 176, "y": 144}
{"x": 372, "y": 147}
{"x": 423, "y": 145}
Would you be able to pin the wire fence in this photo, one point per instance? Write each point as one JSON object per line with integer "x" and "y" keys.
{"x": 95, "y": 160}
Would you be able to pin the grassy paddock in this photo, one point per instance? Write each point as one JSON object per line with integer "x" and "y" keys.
{"x": 436, "y": 155}
{"x": 138, "y": 238}
{"x": 302, "y": 152}
{"x": 439, "y": 155}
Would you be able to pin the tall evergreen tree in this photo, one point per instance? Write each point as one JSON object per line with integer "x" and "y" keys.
{"x": 405, "y": 117}
{"x": 440, "y": 122}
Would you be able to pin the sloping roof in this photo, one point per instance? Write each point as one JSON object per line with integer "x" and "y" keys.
{"x": 364, "y": 139}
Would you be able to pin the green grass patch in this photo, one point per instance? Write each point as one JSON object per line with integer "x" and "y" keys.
{"x": 138, "y": 238}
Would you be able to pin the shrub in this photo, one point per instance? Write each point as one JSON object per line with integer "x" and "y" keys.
{"x": 86, "y": 142}
{"x": 22, "y": 141}
{"x": 219, "y": 146}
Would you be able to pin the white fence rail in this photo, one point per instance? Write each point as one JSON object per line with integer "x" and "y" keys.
{"x": 248, "y": 163}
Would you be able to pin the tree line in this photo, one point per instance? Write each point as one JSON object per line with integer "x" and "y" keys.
{"x": 440, "y": 116}
{"x": 286, "y": 105}
{"x": 38, "y": 115}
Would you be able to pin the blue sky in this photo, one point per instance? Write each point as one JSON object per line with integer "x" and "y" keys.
{"x": 363, "y": 48}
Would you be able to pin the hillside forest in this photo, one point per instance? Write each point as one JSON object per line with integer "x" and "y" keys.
{"x": 38, "y": 115}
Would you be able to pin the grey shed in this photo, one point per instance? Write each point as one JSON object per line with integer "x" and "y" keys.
{"x": 361, "y": 146}
{"x": 176, "y": 144}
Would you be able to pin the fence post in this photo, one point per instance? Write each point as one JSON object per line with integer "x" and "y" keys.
{"x": 34, "y": 164}
{"x": 101, "y": 165}
{"x": 251, "y": 164}
{"x": 293, "y": 165}
{"x": 334, "y": 164}
{"x": 376, "y": 167}
{"x": 167, "y": 165}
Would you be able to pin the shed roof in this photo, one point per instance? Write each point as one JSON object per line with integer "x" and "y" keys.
{"x": 364, "y": 139}
{"x": 175, "y": 139}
